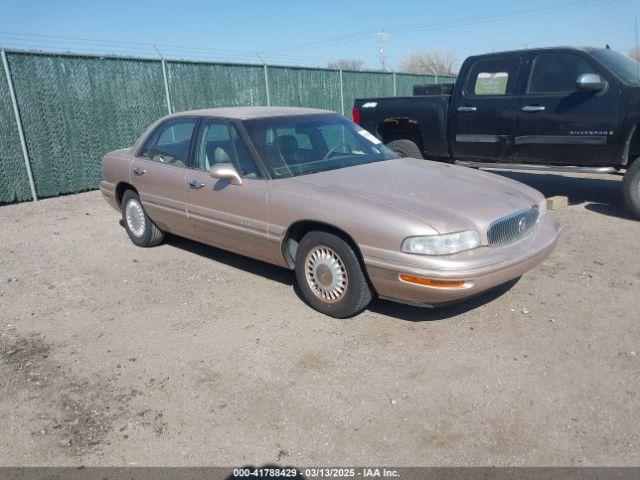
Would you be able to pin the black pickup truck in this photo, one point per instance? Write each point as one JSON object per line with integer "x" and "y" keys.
{"x": 553, "y": 109}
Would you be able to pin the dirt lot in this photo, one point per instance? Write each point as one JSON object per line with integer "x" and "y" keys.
{"x": 187, "y": 355}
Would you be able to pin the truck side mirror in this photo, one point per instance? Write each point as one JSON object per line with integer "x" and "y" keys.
{"x": 590, "y": 82}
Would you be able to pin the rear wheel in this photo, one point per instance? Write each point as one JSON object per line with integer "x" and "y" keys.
{"x": 141, "y": 230}
{"x": 330, "y": 276}
{"x": 631, "y": 188}
{"x": 405, "y": 148}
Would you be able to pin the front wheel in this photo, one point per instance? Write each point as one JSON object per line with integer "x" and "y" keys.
{"x": 330, "y": 277}
{"x": 631, "y": 188}
{"x": 140, "y": 228}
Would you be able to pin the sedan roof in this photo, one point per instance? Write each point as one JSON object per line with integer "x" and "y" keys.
{"x": 247, "y": 113}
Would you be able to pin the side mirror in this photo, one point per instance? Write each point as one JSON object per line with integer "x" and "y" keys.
{"x": 226, "y": 171}
{"x": 590, "y": 82}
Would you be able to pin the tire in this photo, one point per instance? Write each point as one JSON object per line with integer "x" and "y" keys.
{"x": 631, "y": 188}
{"x": 405, "y": 148}
{"x": 141, "y": 230}
{"x": 319, "y": 256}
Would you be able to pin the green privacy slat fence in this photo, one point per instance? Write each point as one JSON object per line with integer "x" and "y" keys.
{"x": 200, "y": 85}
{"x": 365, "y": 84}
{"x": 14, "y": 186}
{"x": 405, "y": 83}
{"x": 305, "y": 87}
{"x": 75, "y": 108}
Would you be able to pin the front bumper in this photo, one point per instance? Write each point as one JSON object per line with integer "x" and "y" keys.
{"x": 481, "y": 269}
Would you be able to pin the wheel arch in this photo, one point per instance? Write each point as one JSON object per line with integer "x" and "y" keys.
{"x": 632, "y": 146}
{"x": 121, "y": 188}
{"x": 397, "y": 128}
{"x": 300, "y": 228}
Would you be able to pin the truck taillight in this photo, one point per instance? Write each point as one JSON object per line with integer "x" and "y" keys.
{"x": 356, "y": 115}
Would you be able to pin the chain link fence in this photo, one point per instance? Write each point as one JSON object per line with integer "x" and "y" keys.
{"x": 72, "y": 109}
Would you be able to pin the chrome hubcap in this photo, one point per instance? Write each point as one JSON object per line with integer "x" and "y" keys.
{"x": 135, "y": 217}
{"x": 326, "y": 274}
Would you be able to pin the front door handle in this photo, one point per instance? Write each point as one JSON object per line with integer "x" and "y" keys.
{"x": 467, "y": 108}
{"x": 533, "y": 108}
{"x": 138, "y": 171}
{"x": 195, "y": 184}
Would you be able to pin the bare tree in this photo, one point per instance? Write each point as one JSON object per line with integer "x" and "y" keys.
{"x": 345, "y": 64}
{"x": 635, "y": 53}
{"x": 435, "y": 63}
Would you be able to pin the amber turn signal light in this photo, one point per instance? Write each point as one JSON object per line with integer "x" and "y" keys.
{"x": 430, "y": 282}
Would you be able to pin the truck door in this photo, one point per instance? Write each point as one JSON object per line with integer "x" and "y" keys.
{"x": 560, "y": 122}
{"x": 484, "y": 109}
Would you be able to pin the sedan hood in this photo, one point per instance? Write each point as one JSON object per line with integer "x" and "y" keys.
{"x": 447, "y": 197}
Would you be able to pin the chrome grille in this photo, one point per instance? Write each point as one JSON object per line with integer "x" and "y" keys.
{"x": 512, "y": 227}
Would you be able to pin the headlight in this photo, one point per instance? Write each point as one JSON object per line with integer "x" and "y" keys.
{"x": 442, "y": 244}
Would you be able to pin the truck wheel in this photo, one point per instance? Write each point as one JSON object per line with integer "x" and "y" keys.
{"x": 405, "y": 148}
{"x": 330, "y": 276}
{"x": 631, "y": 188}
{"x": 141, "y": 230}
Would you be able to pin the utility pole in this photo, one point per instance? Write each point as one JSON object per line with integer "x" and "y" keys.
{"x": 383, "y": 51}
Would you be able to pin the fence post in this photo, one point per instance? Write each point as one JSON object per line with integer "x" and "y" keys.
{"x": 266, "y": 84}
{"x": 436, "y": 78}
{"x": 266, "y": 77}
{"x": 166, "y": 81}
{"x": 16, "y": 112}
{"x": 395, "y": 87}
{"x": 341, "y": 93}
{"x": 166, "y": 86}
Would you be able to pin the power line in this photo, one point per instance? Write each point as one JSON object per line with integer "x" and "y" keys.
{"x": 455, "y": 22}
{"x": 92, "y": 45}
{"x": 56, "y": 40}
{"x": 46, "y": 42}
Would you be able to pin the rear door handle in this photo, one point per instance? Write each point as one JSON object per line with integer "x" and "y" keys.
{"x": 195, "y": 184}
{"x": 467, "y": 108}
{"x": 533, "y": 108}
{"x": 138, "y": 171}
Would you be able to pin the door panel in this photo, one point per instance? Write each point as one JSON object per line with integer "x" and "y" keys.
{"x": 559, "y": 124}
{"x": 233, "y": 217}
{"x": 163, "y": 194}
{"x": 159, "y": 172}
{"x": 484, "y": 111}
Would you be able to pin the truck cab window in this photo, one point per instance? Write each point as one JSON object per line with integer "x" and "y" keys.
{"x": 493, "y": 77}
{"x": 557, "y": 73}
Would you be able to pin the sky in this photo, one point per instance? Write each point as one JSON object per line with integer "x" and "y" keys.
{"x": 312, "y": 32}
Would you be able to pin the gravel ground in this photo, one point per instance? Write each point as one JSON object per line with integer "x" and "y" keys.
{"x": 186, "y": 355}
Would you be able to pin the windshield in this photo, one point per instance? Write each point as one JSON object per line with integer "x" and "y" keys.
{"x": 626, "y": 68}
{"x": 303, "y": 144}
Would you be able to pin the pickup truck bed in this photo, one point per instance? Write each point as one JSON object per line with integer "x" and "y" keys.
{"x": 387, "y": 119}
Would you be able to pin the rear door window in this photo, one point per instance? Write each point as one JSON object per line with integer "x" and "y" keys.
{"x": 493, "y": 77}
{"x": 171, "y": 144}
